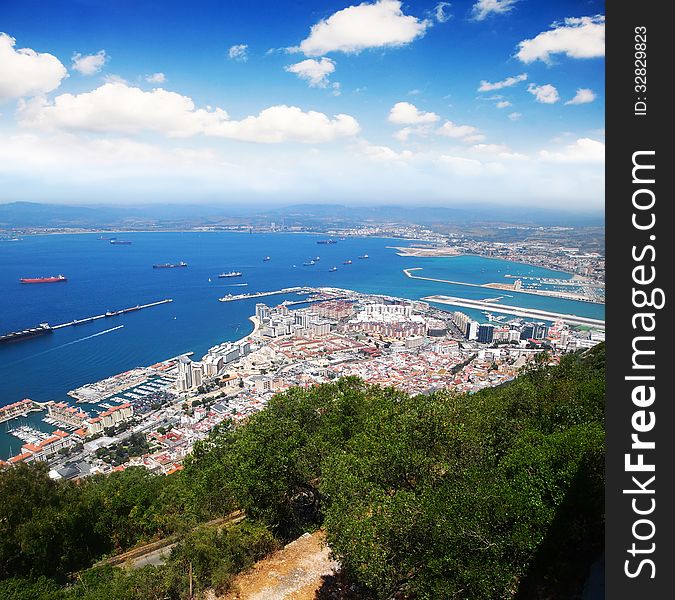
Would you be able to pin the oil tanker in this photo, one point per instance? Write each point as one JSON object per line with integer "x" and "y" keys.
{"x": 53, "y": 279}
{"x": 170, "y": 265}
{"x": 15, "y": 336}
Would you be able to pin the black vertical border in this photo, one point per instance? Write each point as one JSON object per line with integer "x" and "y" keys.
{"x": 627, "y": 133}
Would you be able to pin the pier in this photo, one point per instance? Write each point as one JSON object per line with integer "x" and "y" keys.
{"x": 290, "y": 290}
{"x": 530, "y": 313}
{"x": 112, "y": 313}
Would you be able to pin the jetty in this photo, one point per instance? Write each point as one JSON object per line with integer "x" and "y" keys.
{"x": 290, "y": 290}
{"x": 111, "y": 313}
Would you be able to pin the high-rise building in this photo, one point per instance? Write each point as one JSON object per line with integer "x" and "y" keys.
{"x": 262, "y": 311}
{"x": 472, "y": 330}
{"x": 486, "y": 333}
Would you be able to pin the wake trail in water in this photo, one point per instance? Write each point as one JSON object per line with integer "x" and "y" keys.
{"x": 93, "y": 335}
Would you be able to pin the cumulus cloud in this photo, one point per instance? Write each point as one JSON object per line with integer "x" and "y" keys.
{"x": 315, "y": 72}
{"x": 238, "y": 52}
{"x": 405, "y": 113}
{"x": 482, "y": 9}
{"x": 156, "y": 78}
{"x": 368, "y": 25}
{"x": 486, "y": 86}
{"x": 584, "y": 150}
{"x": 25, "y": 72}
{"x": 441, "y": 12}
{"x": 582, "y": 37}
{"x": 546, "y": 94}
{"x": 583, "y": 96}
{"x": 503, "y": 104}
{"x": 120, "y": 108}
{"x": 89, "y": 64}
{"x": 466, "y": 133}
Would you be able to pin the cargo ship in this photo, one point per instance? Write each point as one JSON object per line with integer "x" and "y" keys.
{"x": 266, "y": 258}
{"x": 170, "y": 265}
{"x": 15, "y": 336}
{"x": 347, "y": 262}
{"x": 363, "y": 256}
{"x": 230, "y": 274}
{"x": 309, "y": 263}
{"x": 120, "y": 242}
{"x": 332, "y": 269}
{"x": 53, "y": 279}
{"x": 326, "y": 242}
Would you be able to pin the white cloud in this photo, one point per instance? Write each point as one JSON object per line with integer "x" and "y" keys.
{"x": 25, "y": 72}
{"x": 382, "y": 153}
{"x": 486, "y": 86}
{"x": 515, "y": 116}
{"x": 503, "y": 104}
{"x": 405, "y": 113}
{"x": 238, "y": 52}
{"x": 367, "y": 25}
{"x": 498, "y": 150}
{"x": 470, "y": 167}
{"x": 584, "y": 150}
{"x": 315, "y": 72}
{"x": 89, "y": 64}
{"x": 466, "y": 133}
{"x": 582, "y": 37}
{"x": 113, "y": 78}
{"x": 441, "y": 13}
{"x": 119, "y": 108}
{"x": 156, "y": 78}
{"x": 402, "y": 135}
{"x": 336, "y": 88}
{"x": 283, "y": 123}
{"x": 546, "y": 94}
{"x": 583, "y": 96}
{"x": 484, "y": 8}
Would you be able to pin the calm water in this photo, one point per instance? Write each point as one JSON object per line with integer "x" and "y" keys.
{"x": 105, "y": 277}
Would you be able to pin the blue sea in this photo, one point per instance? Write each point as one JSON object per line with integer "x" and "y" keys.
{"x": 103, "y": 277}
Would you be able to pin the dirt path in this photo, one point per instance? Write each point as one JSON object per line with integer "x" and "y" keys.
{"x": 294, "y": 573}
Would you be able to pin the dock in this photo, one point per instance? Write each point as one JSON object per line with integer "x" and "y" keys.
{"x": 530, "y": 313}
{"x": 290, "y": 290}
{"x": 112, "y": 313}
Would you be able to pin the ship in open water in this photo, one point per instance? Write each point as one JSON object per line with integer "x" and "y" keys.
{"x": 53, "y": 279}
{"x": 170, "y": 265}
{"x": 230, "y": 274}
{"x": 15, "y": 336}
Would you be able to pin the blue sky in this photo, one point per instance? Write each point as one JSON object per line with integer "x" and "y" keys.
{"x": 434, "y": 103}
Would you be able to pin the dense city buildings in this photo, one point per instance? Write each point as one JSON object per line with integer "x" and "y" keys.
{"x": 411, "y": 345}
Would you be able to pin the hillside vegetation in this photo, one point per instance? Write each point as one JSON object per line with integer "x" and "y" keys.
{"x": 492, "y": 495}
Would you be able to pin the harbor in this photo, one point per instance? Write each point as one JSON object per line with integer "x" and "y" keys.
{"x": 588, "y": 295}
{"x": 530, "y": 313}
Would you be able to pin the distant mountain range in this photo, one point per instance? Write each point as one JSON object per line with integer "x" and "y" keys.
{"x": 36, "y": 215}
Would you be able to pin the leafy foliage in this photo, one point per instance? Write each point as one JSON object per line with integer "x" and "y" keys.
{"x": 492, "y": 495}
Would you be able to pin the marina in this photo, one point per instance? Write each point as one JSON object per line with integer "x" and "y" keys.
{"x": 530, "y": 313}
